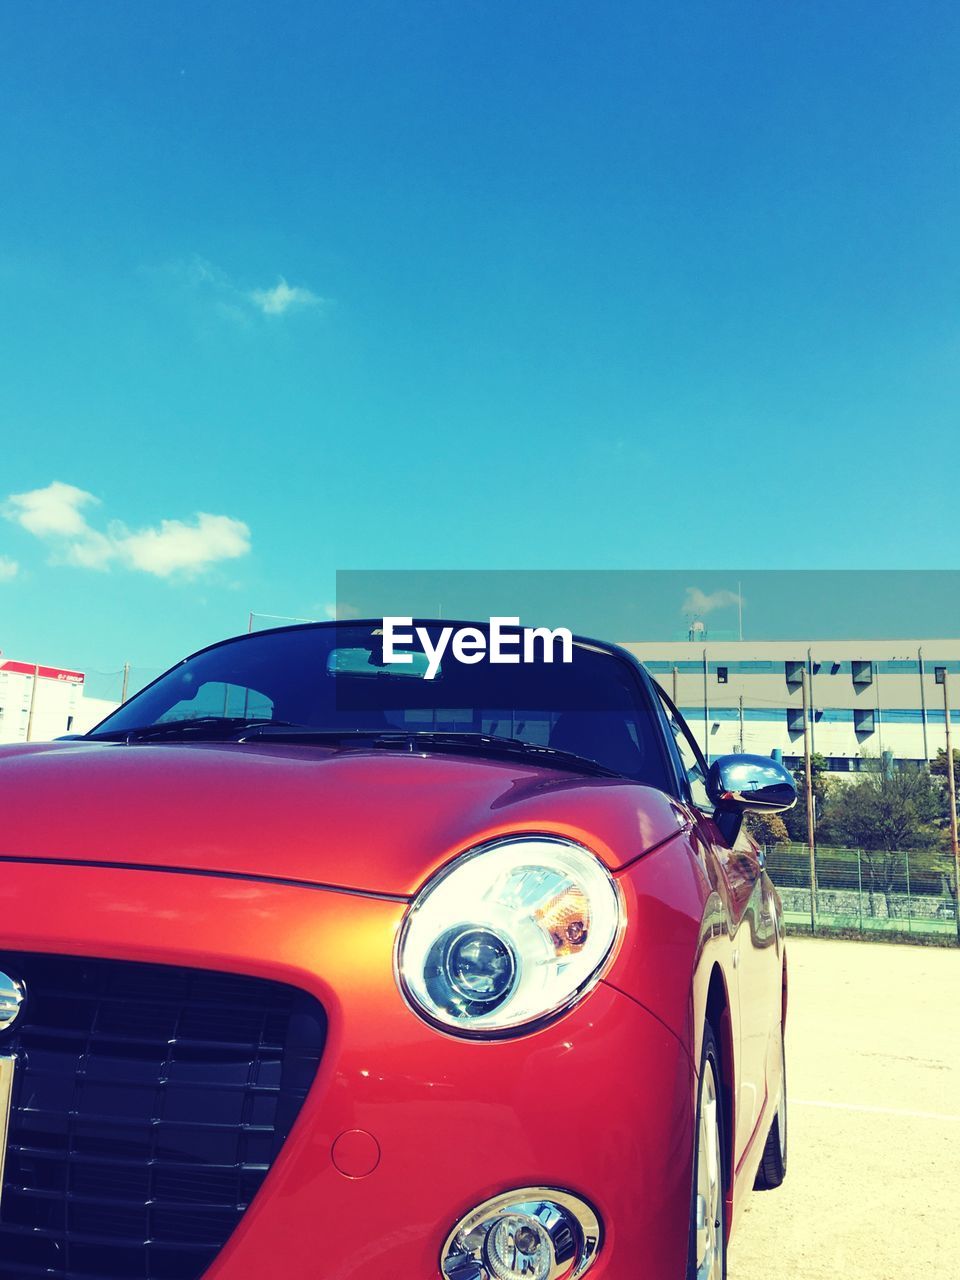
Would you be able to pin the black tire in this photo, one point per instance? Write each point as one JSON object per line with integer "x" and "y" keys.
{"x": 773, "y": 1163}
{"x": 699, "y": 1265}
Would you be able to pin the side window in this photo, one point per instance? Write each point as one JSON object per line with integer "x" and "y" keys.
{"x": 694, "y": 766}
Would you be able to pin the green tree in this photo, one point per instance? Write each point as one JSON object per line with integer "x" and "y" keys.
{"x": 887, "y": 809}
{"x": 795, "y": 819}
{"x": 886, "y": 812}
{"x": 768, "y": 828}
{"x": 938, "y": 767}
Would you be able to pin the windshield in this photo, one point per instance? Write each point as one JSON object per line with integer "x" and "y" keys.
{"x": 333, "y": 678}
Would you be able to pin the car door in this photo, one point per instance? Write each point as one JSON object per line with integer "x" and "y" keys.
{"x": 756, "y": 959}
{"x": 762, "y": 1020}
{"x": 734, "y": 869}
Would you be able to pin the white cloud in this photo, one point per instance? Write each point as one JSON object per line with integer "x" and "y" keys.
{"x": 278, "y": 300}
{"x": 90, "y": 550}
{"x": 8, "y": 569}
{"x": 177, "y": 546}
{"x": 50, "y": 512}
{"x": 699, "y": 602}
{"x": 54, "y": 514}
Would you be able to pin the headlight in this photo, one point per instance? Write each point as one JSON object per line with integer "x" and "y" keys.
{"x": 508, "y": 934}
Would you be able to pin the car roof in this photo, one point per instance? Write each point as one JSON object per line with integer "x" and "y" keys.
{"x": 586, "y": 642}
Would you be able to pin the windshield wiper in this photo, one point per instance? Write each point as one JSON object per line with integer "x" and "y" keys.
{"x": 241, "y": 729}
{"x": 196, "y": 726}
{"x": 426, "y": 739}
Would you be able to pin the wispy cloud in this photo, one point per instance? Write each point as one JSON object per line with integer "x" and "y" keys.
{"x": 282, "y": 297}
{"x": 56, "y": 514}
{"x": 699, "y": 603}
{"x": 240, "y": 303}
{"x": 8, "y": 569}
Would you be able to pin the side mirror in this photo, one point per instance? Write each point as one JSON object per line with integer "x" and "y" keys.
{"x": 739, "y": 783}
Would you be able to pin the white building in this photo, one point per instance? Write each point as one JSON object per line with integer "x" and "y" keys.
{"x": 867, "y": 698}
{"x": 38, "y": 703}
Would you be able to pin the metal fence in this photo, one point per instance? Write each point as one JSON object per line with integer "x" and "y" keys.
{"x": 116, "y": 686}
{"x": 867, "y": 891}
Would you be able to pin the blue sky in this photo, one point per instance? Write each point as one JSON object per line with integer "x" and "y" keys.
{"x": 464, "y": 285}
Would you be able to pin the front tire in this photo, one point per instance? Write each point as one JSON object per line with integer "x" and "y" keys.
{"x": 707, "y": 1253}
{"x": 773, "y": 1164}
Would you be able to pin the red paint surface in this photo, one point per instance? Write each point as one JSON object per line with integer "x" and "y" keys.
{"x": 357, "y": 819}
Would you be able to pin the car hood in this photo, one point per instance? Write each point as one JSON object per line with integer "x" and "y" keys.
{"x": 362, "y": 819}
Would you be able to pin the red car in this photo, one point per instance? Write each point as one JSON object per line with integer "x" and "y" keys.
{"x": 315, "y": 967}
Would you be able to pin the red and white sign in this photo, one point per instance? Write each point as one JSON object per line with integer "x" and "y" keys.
{"x": 45, "y": 673}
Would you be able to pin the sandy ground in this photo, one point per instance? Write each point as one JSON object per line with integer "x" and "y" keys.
{"x": 873, "y": 1062}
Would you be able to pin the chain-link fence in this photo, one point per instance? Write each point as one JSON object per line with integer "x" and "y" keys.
{"x": 867, "y": 891}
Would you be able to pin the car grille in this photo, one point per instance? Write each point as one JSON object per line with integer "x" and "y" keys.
{"x": 149, "y": 1103}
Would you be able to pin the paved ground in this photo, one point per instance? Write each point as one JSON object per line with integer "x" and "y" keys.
{"x": 873, "y": 1059}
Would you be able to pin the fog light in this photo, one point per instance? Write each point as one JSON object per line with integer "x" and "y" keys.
{"x": 516, "y": 1247}
{"x": 535, "y": 1233}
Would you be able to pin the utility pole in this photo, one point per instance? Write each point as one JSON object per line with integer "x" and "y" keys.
{"x": 706, "y": 712}
{"x": 952, "y": 792}
{"x": 808, "y": 787}
{"x": 33, "y": 702}
{"x": 741, "y": 724}
{"x": 676, "y": 673}
{"x": 126, "y": 681}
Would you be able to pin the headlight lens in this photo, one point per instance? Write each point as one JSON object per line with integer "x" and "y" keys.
{"x": 508, "y": 934}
